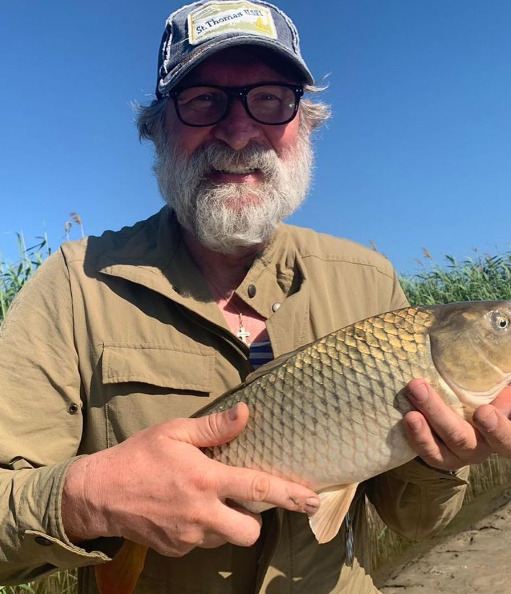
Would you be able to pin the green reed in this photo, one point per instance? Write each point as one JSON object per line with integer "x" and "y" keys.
{"x": 63, "y": 582}
{"x": 480, "y": 278}
{"x": 14, "y": 275}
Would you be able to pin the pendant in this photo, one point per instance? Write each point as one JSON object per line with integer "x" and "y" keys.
{"x": 243, "y": 334}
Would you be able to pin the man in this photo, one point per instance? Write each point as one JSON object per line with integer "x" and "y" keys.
{"x": 118, "y": 339}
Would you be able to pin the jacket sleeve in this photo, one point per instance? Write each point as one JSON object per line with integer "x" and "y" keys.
{"x": 416, "y": 500}
{"x": 40, "y": 427}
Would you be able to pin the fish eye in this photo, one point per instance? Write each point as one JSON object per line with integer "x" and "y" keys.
{"x": 500, "y": 321}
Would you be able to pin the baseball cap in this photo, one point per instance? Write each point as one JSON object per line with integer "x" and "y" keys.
{"x": 196, "y": 31}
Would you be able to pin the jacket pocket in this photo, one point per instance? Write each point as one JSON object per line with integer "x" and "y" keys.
{"x": 164, "y": 367}
{"x": 146, "y": 384}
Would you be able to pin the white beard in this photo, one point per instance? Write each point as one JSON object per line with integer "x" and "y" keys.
{"x": 225, "y": 217}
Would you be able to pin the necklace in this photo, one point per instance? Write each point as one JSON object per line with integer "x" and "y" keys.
{"x": 243, "y": 334}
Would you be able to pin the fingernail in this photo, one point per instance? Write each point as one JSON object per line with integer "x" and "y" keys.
{"x": 489, "y": 422}
{"x": 420, "y": 393}
{"x": 232, "y": 413}
{"x": 311, "y": 505}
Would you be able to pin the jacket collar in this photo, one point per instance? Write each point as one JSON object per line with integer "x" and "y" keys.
{"x": 153, "y": 254}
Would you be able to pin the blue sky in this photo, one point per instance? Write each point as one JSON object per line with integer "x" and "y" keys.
{"x": 418, "y": 153}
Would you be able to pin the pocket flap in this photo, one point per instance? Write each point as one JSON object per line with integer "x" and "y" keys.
{"x": 165, "y": 367}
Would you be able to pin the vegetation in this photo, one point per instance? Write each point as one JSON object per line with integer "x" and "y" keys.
{"x": 14, "y": 276}
{"x": 64, "y": 582}
{"x": 478, "y": 278}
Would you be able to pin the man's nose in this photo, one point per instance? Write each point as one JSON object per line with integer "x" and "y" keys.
{"x": 238, "y": 128}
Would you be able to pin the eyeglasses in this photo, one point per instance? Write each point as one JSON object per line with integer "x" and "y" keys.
{"x": 272, "y": 104}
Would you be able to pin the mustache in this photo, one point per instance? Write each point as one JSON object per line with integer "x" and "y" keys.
{"x": 221, "y": 157}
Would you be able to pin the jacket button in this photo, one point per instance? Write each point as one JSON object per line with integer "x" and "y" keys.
{"x": 251, "y": 291}
{"x": 275, "y": 306}
{"x": 44, "y": 542}
{"x": 73, "y": 409}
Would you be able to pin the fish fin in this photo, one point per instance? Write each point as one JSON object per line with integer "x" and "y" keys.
{"x": 335, "y": 503}
{"x": 120, "y": 575}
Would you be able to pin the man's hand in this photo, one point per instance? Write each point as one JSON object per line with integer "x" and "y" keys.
{"x": 439, "y": 435}
{"x": 158, "y": 489}
{"x": 493, "y": 421}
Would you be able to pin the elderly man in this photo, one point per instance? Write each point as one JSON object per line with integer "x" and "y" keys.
{"x": 118, "y": 339}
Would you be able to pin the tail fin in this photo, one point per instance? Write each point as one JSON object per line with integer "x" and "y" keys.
{"x": 120, "y": 575}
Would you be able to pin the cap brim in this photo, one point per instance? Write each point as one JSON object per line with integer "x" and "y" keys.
{"x": 212, "y": 47}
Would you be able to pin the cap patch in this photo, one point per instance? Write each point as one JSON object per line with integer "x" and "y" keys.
{"x": 215, "y": 18}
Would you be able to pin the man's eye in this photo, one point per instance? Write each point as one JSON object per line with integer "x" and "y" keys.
{"x": 206, "y": 98}
{"x": 265, "y": 98}
{"x": 190, "y": 98}
{"x": 199, "y": 96}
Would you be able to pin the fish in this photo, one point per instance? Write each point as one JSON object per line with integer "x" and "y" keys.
{"x": 328, "y": 415}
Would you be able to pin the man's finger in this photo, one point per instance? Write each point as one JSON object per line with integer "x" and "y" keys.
{"x": 237, "y": 526}
{"x": 449, "y": 426}
{"x": 495, "y": 427}
{"x": 503, "y": 401}
{"x": 246, "y": 485}
{"x": 425, "y": 444}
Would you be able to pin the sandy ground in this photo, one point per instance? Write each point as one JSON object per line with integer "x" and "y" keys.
{"x": 477, "y": 559}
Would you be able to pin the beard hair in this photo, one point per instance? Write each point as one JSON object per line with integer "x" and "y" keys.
{"x": 228, "y": 216}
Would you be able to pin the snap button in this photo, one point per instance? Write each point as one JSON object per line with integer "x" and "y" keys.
{"x": 251, "y": 291}
{"x": 44, "y": 542}
{"x": 73, "y": 409}
{"x": 275, "y": 306}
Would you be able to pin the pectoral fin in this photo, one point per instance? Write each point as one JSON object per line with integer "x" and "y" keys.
{"x": 120, "y": 575}
{"x": 335, "y": 503}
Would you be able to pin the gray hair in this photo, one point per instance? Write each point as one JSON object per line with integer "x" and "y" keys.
{"x": 151, "y": 118}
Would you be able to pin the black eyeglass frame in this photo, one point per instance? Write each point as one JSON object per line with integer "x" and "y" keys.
{"x": 241, "y": 94}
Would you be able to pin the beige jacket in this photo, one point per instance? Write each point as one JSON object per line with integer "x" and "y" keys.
{"x": 120, "y": 332}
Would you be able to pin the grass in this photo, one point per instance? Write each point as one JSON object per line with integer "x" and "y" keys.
{"x": 480, "y": 278}
{"x": 64, "y": 582}
{"x": 14, "y": 276}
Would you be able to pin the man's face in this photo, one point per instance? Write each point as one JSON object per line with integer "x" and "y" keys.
{"x": 238, "y": 129}
{"x": 231, "y": 183}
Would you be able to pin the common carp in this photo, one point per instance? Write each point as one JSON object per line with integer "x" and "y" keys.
{"x": 328, "y": 415}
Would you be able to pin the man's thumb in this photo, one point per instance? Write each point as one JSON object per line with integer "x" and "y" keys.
{"x": 217, "y": 428}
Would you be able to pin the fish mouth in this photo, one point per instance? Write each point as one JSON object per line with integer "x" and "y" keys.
{"x": 474, "y": 398}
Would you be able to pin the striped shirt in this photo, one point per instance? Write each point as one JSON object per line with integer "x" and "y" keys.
{"x": 260, "y": 353}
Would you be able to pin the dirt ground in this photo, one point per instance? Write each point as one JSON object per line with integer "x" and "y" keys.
{"x": 477, "y": 559}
